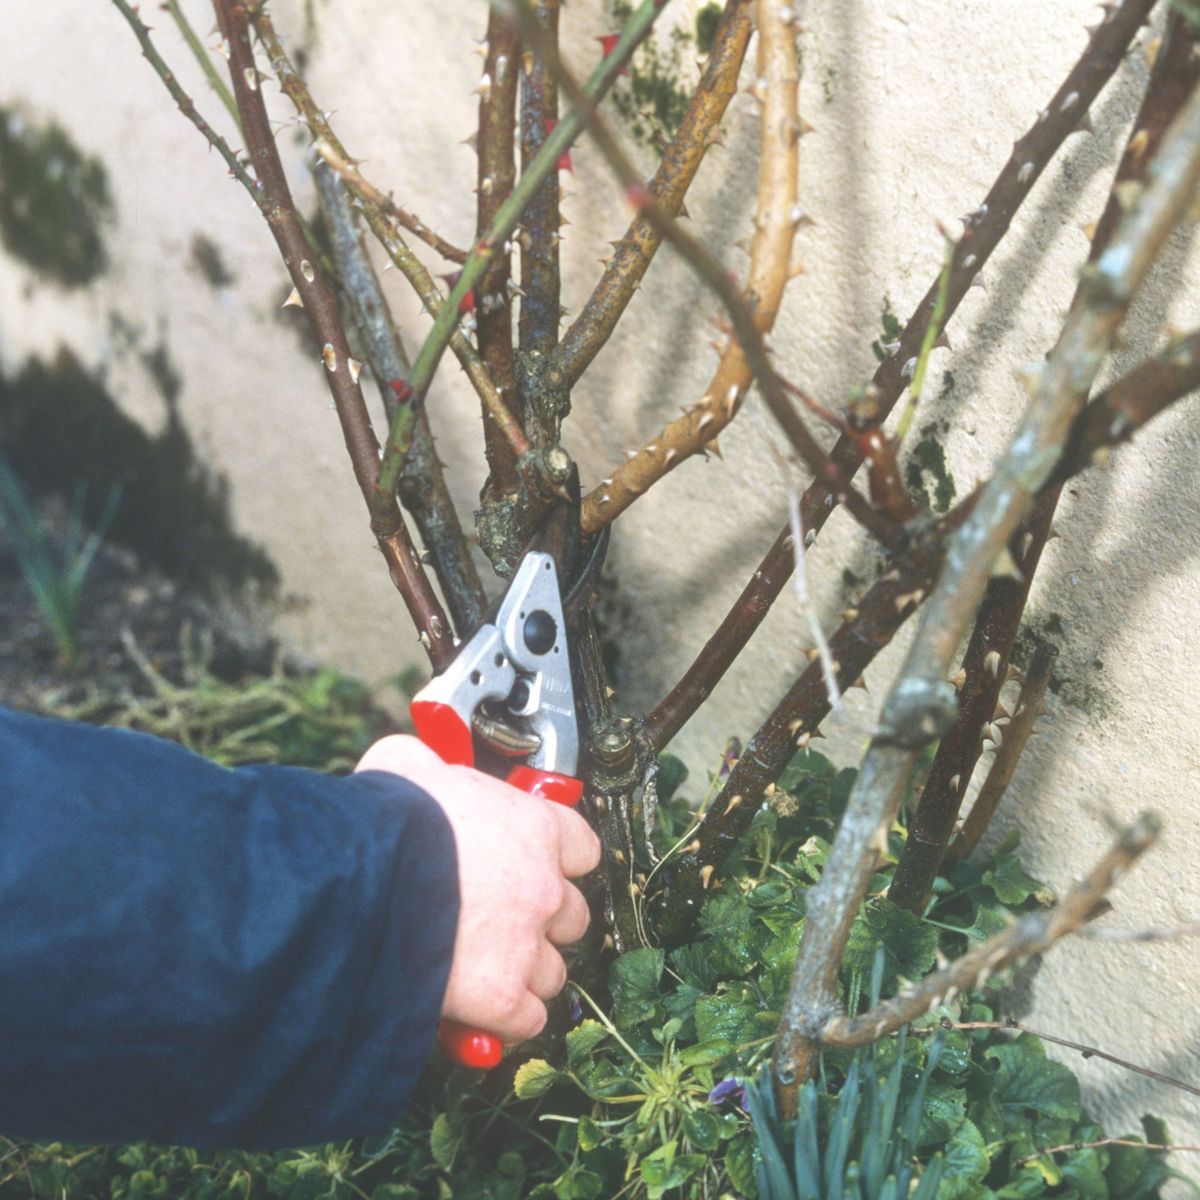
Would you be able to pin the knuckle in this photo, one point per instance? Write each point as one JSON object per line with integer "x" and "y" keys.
{"x": 509, "y": 999}
{"x": 552, "y": 895}
{"x": 531, "y": 1023}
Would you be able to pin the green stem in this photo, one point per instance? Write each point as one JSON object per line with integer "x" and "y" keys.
{"x": 503, "y": 223}
{"x": 206, "y": 64}
{"x": 932, "y": 332}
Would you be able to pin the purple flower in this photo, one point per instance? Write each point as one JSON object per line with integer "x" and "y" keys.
{"x": 729, "y": 1089}
{"x": 733, "y": 751}
{"x": 576, "y": 1008}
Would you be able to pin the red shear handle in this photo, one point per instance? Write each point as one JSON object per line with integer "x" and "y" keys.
{"x": 443, "y": 730}
{"x": 562, "y": 789}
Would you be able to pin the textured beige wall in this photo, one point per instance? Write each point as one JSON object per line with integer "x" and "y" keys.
{"x": 916, "y": 106}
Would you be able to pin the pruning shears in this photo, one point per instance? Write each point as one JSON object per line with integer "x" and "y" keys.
{"x": 509, "y": 687}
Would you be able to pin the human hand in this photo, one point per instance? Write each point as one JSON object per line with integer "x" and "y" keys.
{"x": 515, "y": 855}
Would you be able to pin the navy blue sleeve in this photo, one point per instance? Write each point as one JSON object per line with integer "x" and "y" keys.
{"x": 202, "y": 956}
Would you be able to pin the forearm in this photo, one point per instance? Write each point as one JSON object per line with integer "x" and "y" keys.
{"x": 197, "y": 955}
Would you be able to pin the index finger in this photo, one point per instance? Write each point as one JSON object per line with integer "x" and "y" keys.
{"x": 578, "y": 845}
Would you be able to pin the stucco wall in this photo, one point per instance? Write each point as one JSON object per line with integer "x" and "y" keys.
{"x": 915, "y": 106}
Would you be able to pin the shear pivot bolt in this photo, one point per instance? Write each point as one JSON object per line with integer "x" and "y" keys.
{"x": 541, "y": 631}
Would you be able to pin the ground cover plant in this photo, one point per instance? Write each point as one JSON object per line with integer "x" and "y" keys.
{"x": 746, "y": 937}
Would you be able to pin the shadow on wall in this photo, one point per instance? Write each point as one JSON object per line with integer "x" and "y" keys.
{"x": 60, "y": 427}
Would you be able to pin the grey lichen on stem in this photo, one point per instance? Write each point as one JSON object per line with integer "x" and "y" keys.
{"x": 495, "y": 146}
{"x": 422, "y": 487}
{"x": 539, "y": 235}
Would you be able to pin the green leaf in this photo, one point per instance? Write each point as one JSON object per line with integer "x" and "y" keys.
{"x": 1140, "y": 1176}
{"x": 910, "y": 943}
{"x": 739, "y": 1166}
{"x": 730, "y": 1014}
{"x": 633, "y": 980}
{"x": 671, "y": 774}
{"x": 806, "y": 766}
{"x": 669, "y": 1032}
{"x": 1025, "y": 1185}
{"x": 1026, "y": 1079}
{"x": 511, "y": 1165}
{"x": 956, "y": 1053}
{"x": 706, "y": 1053}
{"x": 588, "y": 1134}
{"x": 663, "y": 1169}
{"x": 443, "y": 1141}
{"x": 534, "y": 1078}
{"x": 583, "y": 1039}
{"x": 733, "y": 944}
{"x": 772, "y": 892}
{"x": 944, "y": 1110}
{"x": 694, "y": 965}
{"x": 702, "y": 1129}
{"x": 966, "y": 1161}
{"x": 395, "y": 1191}
{"x": 1011, "y": 885}
{"x": 1085, "y": 1170}
{"x": 577, "y": 1183}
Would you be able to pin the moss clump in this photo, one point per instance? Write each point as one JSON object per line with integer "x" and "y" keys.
{"x": 653, "y": 99}
{"x": 707, "y": 20}
{"x": 926, "y": 472}
{"x": 889, "y": 330}
{"x": 1087, "y": 695}
{"x": 54, "y": 200}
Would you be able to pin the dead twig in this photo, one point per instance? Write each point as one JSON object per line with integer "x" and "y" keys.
{"x": 1031, "y": 934}
{"x": 1016, "y": 1026}
{"x": 1015, "y": 737}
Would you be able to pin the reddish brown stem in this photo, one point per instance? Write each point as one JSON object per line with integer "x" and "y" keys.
{"x": 320, "y": 305}
{"x": 725, "y": 645}
{"x": 864, "y": 632}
